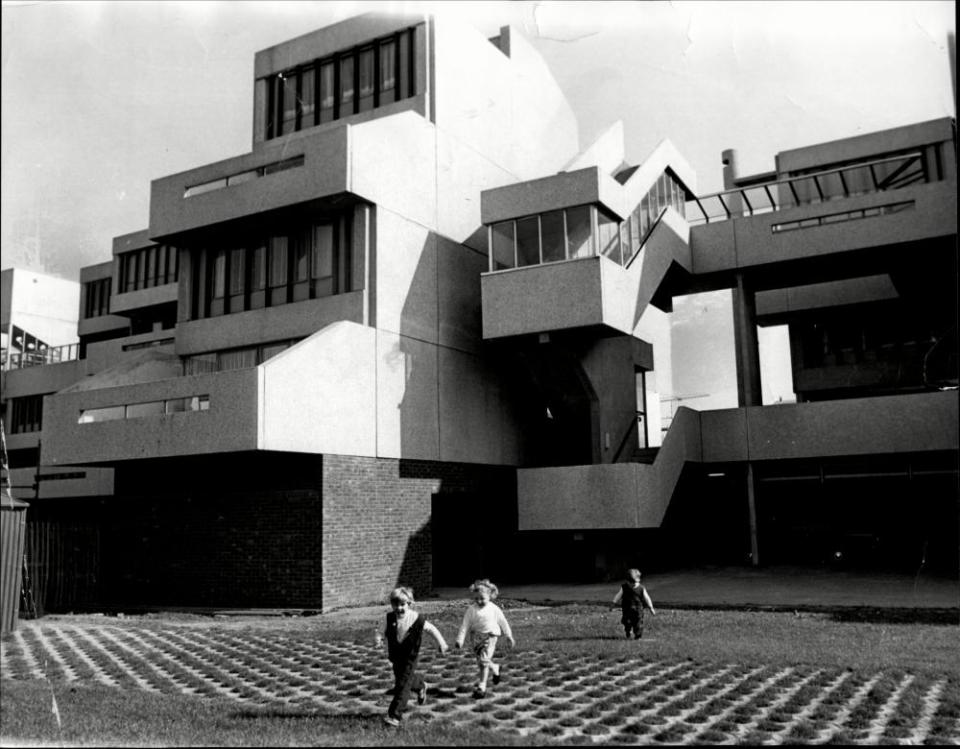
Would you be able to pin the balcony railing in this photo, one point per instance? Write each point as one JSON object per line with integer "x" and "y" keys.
{"x": 880, "y": 175}
{"x": 48, "y": 355}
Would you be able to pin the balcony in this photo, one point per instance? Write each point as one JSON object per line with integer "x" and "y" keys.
{"x": 278, "y": 174}
{"x": 41, "y": 356}
{"x": 143, "y": 409}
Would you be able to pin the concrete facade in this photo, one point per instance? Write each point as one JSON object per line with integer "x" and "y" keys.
{"x": 325, "y": 360}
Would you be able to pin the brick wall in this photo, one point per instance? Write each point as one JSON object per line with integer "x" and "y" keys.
{"x": 226, "y": 550}
{"x": 377, "y": 530}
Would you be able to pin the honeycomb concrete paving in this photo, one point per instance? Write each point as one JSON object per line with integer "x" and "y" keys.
{"x": 615, "y": 700}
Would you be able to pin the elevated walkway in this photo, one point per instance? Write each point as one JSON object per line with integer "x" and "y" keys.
{"x": 635, "y": 495}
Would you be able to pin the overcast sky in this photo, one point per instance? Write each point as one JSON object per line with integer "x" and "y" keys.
{"x": 100, "y": 98}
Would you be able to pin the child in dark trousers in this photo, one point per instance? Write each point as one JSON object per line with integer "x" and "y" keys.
{"x": 404, "y": 634}
{"x": 633, "y": 597}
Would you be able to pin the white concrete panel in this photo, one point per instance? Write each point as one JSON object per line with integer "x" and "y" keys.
{"x": 406, "y": 398}
{"x": 499, "y": 105}
{"x": 319, "y": 396}
{"x": 393, "y": 164}
{"x": 462, "y": 172}
{"x": 406, "y": 277}
{"x": 607, "y": 152}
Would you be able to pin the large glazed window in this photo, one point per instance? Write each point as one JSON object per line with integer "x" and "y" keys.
{"x": 354, "y": 80}
{"x": 155, "y": 265}
{"x": 306, "y": 260}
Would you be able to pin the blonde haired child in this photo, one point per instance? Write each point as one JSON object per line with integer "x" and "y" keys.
{"x": 633, "y": 597}
{"x": 404, "y": 634}
{"x": 484, "y": 623}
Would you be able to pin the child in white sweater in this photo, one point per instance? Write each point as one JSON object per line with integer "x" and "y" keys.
{"x": 484, "y": 623}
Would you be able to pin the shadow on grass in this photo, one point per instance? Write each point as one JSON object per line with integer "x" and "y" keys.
{"x": 897, "y": 616}
{"x": 583, "y": 638}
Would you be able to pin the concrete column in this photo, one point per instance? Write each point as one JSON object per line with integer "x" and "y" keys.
{"x": 752, "y": 509}
{"x": 747, "y": 344}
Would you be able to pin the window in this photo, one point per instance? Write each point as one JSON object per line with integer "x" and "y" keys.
{"x": 504, "y": 251}
{"x": 388, "y": 71}
{"x": 365, "y": 80}
{"x": 579, "y": 232}
{"x": 220, "y": 361}
{"x": 278, "y": 261}
{"x": 219, "y": 274}
{"x": 258, "y": 268}
{"x": 151, "y": 266}
{"x": 326, "y": 92}
{"x": 354, "y": 80}
{"x": 309, "y": 261}
{"x": 308, "y": 97}
{"x": 551, "y": 230}
{"x": 26, "y": 414}
{"x": 608, "y": 236}
{"x": 143, "y": 410}
{"x": 346, "y": 85}
{"x": 528, "y": 241}
{"x": 97, "y": 298}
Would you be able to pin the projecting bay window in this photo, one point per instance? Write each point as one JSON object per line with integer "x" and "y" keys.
{"x": 355, "y": 80}
{"x": 545, "y": 238}
{"x": 310, "y": 261}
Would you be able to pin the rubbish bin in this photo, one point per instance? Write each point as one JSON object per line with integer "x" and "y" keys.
{"x": 13, "y": 524}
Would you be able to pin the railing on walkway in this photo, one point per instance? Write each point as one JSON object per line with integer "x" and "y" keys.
{"x": 47, "y": 355}
{"x": 806, "y": 189}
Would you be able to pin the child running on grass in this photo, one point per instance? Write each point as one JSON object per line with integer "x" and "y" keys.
{"x": 484, "y": 623}
{"x": 633, "y": 597}
{"x": 404, "y": 633}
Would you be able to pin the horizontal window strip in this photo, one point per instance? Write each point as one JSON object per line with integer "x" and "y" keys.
{"x": 149, "y": 408}
{"x": 247, "y": 175}
{"x": 837, "y": 218}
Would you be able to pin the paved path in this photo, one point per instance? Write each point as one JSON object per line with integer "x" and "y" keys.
{"x": 621, "y": 699}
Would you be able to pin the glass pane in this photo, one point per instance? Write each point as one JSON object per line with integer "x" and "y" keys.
{"x": 236, "y": 359}
{"x": 175, "y": 405}
{"x": 172, "y": 262}
{"x": 609, "y": 236}
{"x": 503, "y": 249}
{"x": 346, "y": 86}
{"x": 151, "y": 266}
{"x": 200, "y": 364}
{"x": 220, "y": 273}
{"x": 528, "y": 241}
{"x": 278, "y": 261}
{"x": 109, "y": 413}
{"x": 366, "y": 79}
{"x": 322, "y": 251}
{"x": 289, "y": 102}
{"x": 307, "y": 97}
{"x": 258, "y": 268}
{"x": 388, "y": 71}
{"x": 200, "y": 403}
{"x": 326, "y": 92}
{"x": 404, "y": 78}
{"x": 551, "y": 228}
{"x": 138, "y": 410}
{"x": 237, "y": 258}
{"x": 579, "y": 232}
{"x": 301, "y": 255}
{"x": 272, "y": 350}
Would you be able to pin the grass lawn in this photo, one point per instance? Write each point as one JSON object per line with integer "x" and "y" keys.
{"x": 864, "y": 665}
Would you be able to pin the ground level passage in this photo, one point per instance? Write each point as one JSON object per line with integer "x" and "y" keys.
{"x": 622, "y": 699}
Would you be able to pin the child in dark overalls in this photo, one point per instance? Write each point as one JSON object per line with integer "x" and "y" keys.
{"x": 404, "y": 634}
{"x": 633, "y": 598}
